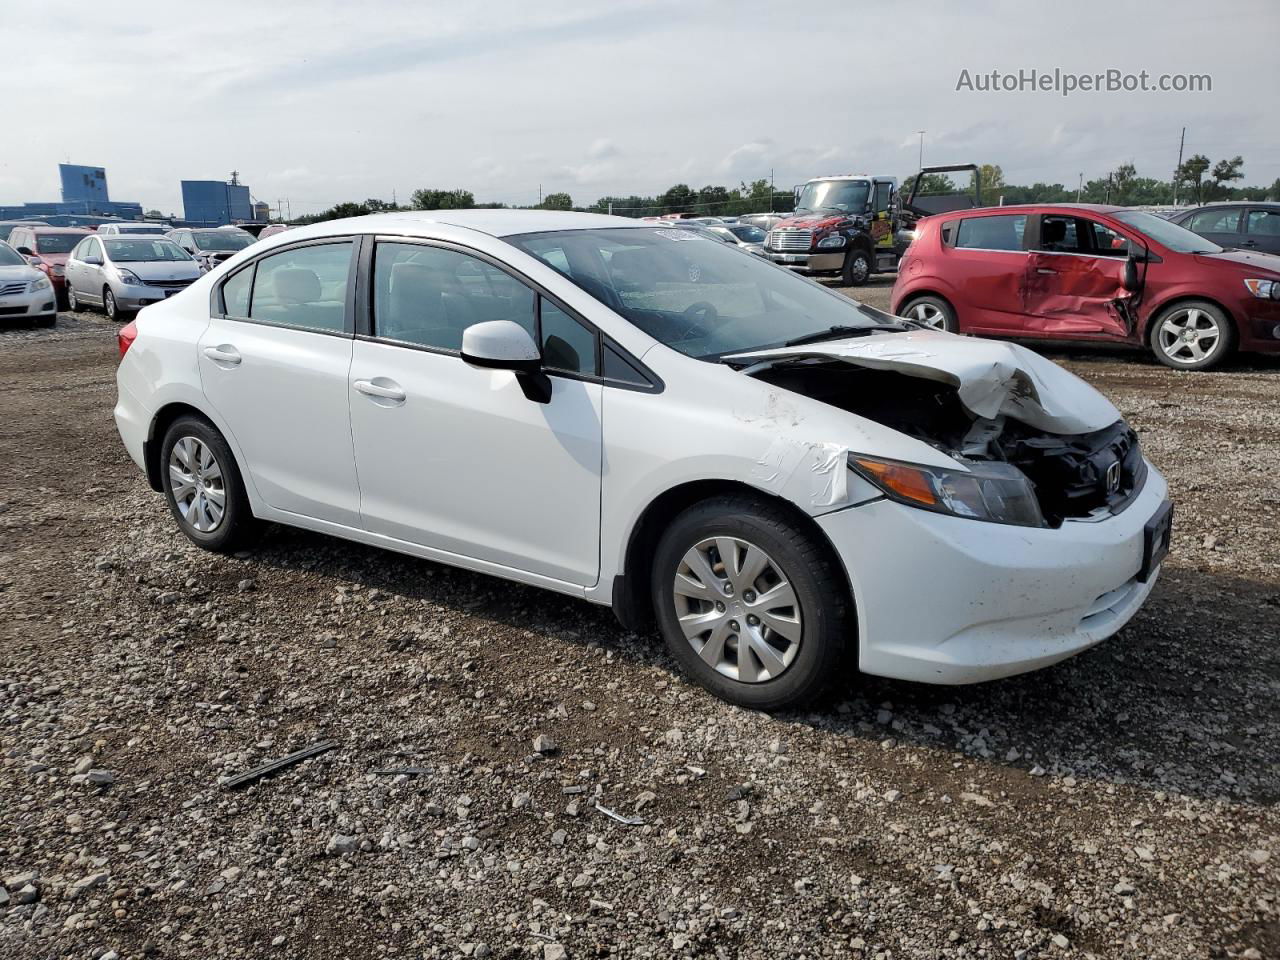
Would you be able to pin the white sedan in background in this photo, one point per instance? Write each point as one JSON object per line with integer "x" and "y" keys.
{"x": 784, "y": 480}
{"x": 25, "y": 292}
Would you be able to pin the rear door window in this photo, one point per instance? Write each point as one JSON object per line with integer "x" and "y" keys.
{"x": 1215, "y": 221}
{"x": 1264, "y": 223}
{"x": 305, "y": 287}
{"x": 1001, "y": 232}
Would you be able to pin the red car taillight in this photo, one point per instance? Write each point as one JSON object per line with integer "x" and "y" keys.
{"x": 128, "y": 333}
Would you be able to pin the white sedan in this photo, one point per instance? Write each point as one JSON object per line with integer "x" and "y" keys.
{"x": 784, "y": 480}
{"x": 25, "y": 292}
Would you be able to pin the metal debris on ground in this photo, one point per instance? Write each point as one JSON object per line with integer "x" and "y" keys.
{"x": 614, "y": 815}
{"x": 402, "y": 771}
{"x": 271, "y": 766}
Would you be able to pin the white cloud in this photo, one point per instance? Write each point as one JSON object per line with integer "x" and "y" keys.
{"x": 320, "y": 101}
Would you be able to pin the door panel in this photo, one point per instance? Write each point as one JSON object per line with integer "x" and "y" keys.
{"x": 986, "y": 260}
{"x": 1262, "y": 230}
{"x": 1070, "y": 294}
{"x": 283, "y": 393}
{"x": 1219, "y": 224}
{"x": 467, "y": 464}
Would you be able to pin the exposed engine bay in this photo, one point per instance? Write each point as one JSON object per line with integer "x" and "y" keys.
{"x": 1074, "y": 476}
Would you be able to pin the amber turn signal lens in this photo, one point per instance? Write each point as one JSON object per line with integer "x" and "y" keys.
{"x": 907, "y": 482}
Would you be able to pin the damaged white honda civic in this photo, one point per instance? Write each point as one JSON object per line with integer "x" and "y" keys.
{"x": 788, "y": 483}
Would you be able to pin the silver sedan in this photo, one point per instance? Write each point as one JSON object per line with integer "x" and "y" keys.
{"x": 124, "y": 274}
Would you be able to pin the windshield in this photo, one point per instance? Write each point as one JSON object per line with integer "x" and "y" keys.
{"x": 220, "y": 240}
{"x": 10, "y": 257}
{"x": 847, "y": 196}
{"x": 144, "y": 251}
{"x": 156, "y": 230}
{"x": 747, "y": 233}
{"x": 1176, "y": 238}
{"x": 697, "y": 295}
{"x": 57, "y": 242}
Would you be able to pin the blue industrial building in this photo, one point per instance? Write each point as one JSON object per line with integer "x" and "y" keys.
{"x": 84, "y": 195}
{"x": 212, "y": 203}
{"x": 83, "y": 183}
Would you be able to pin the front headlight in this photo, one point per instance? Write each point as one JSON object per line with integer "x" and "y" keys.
{"x": 996, "y": 492}
{"x": 128, "y": 276}
{"x": 1264, "y": 289}
{"x": 827, "y": 243}
{"x": 41, "y": 284}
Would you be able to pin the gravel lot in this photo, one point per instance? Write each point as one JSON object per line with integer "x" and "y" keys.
{"x": 1122, "y": 804}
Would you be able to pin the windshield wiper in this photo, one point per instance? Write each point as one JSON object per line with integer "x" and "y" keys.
{"x": 838, "y": 331}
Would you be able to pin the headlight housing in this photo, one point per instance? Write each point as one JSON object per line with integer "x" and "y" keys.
{"x": 128, "y": 276}
{"x": 995, "y": 492}
{"x": 40, "y": 284}
{"x": 828, "y": 243}
{"x": 1264, "y": 289}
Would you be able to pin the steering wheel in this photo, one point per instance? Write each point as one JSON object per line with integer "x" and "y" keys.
{"x": 699, "y": 315}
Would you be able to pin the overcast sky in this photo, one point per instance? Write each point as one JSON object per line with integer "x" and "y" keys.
{"x": 321, "y": 101}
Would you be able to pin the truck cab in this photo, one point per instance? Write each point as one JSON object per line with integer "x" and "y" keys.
{"x": 842, "y": 225}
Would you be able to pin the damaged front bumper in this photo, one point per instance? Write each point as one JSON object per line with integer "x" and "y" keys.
{"x": 948, "y": 600}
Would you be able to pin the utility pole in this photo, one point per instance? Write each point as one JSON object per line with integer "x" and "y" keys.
{"x": 771, "y": 189}
{"x": 1178, "y": 169}
{"x": 539, "y": 194}
{"x": 921, "y": 166}
{"x": 1080, "y": 188}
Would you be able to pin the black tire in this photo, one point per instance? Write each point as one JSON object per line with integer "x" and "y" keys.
{"x": 933, "y": 312}
{"x": 859, "y": 263}
{"x": 109, "y": 306}
{"x": 1223, "y": 345}
{"x": 810, "y": 567}
{"x": 237, "y": 525}
{"x": 73, "y": 303}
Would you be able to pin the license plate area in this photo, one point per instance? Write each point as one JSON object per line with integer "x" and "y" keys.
{"x": 1155, "y": 540}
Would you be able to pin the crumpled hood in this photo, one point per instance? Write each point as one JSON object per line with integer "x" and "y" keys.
{"x": 991, "y": 378}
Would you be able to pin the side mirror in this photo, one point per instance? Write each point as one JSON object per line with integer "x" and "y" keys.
{"x": 1130, "y": 277}
{"x": 505, "y": 345}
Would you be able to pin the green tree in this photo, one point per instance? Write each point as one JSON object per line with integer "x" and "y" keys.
{"x": 992, "y": 182}
{"x": 1122, "y": 181}
{"x": 557, "y": 201}
{"x": 1192, "y": 171}
{"x": 1226, "y": 171}
{"x": 427, "y": 199}
{"x": 678, "y": 199}
{"x": 931, "y": 184}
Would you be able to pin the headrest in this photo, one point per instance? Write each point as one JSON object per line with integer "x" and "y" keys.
{"x": 297, "y": 285}
{"x": 1053, "y": 231}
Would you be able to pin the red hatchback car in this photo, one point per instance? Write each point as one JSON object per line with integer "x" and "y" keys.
{"x": 1087, "y": 272}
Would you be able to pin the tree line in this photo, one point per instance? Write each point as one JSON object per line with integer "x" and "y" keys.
{"x": 755, "y": 197}
{"x": 1198, "y": 180}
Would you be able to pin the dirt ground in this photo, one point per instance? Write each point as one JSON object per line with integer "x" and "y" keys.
{"x": 1121, "y": 804}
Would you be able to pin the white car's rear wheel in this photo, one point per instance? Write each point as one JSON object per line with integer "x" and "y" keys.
{"x": 203, "y": 486}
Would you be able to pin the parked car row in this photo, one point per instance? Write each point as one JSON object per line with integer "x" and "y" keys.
{"x": 1092, "y": 273}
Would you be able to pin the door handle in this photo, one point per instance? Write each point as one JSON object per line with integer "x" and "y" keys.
{"x": 1045, "y": 270}
{"x": 380, "y": 388}
{"x": 223, "y": 353}
{"x": 1249, "y": 243}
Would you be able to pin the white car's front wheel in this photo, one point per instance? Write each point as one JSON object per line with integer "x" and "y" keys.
{"x": 73, "y": 304}
{"x": 753, "y": 607}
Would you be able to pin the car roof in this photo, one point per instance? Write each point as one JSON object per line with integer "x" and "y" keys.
{"x": 1027, "y": 207}
{"x": 38, "y": 228}
{"x": 495, "y": 223}
{"x": 1231, "y": 203}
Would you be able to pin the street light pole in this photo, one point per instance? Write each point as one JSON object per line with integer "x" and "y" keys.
{"x": 921, "y": 165}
